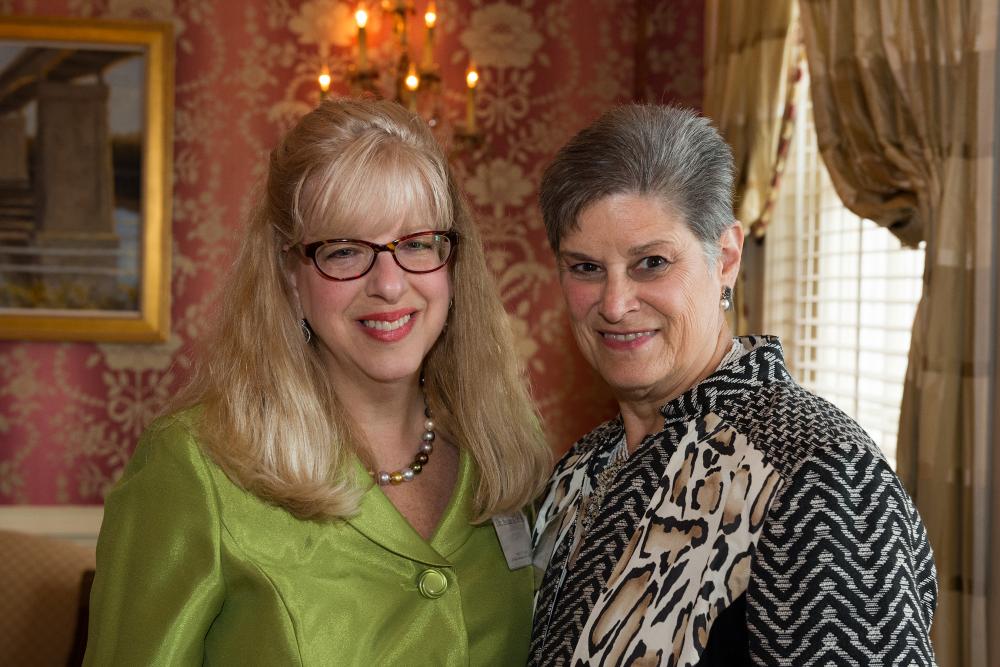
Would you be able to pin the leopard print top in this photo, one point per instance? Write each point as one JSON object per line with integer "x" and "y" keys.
{"x": 760, "y": 526}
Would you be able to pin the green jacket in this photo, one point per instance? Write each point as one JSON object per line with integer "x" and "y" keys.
{"x": 192, "y": 569}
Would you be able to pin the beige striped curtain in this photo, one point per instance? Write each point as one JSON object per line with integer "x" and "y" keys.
{"x": 903, "y": 96}
{"x": 749, "y": 53}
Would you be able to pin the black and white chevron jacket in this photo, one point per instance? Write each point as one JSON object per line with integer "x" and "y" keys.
{"x": 760, "y": 526}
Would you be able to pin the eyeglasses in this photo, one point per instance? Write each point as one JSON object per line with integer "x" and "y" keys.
{"x": 349, "y": 259}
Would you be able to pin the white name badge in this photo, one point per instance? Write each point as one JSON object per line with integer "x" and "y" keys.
{"x": 515, "y": 539}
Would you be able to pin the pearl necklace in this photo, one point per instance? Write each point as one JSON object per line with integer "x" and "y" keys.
{"x": 419, "y": 461}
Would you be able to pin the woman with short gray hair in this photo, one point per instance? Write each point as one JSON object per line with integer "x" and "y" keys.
{"x": 726, "y": 516}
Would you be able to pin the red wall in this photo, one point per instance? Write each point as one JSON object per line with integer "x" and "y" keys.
{"x": 70, "y": 413}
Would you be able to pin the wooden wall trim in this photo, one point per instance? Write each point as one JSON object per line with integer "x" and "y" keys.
{"x": 76, "y": 523}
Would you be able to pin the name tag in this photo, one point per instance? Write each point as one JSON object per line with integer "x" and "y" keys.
{"x": 515, "y": 539}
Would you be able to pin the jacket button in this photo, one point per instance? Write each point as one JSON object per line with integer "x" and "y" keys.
{"x": 432, "y": 584}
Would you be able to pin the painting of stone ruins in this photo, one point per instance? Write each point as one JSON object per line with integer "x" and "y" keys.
{"x": 70, "y": 177}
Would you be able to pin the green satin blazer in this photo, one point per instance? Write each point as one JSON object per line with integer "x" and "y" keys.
{"x": 192, "y": 569}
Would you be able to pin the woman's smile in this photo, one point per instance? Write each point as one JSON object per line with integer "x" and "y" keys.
{"x": 626, "y": 340}
{"x": 388, "y": 327}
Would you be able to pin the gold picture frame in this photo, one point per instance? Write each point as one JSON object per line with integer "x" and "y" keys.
{"x": 86, "y": 119}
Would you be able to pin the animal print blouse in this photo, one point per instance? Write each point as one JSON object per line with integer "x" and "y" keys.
{"x": 760, "y": 526}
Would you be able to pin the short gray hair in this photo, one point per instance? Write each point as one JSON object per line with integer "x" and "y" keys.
{"x": 666, "y": 152}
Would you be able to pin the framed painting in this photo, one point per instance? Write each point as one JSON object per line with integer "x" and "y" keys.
{"x": 85, "y": 179}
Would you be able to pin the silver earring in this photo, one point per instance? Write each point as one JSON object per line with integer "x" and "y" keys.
{"x": 451, "y": 302}
{"x": 306, "y": 330}
{"x": 727, "y": 298}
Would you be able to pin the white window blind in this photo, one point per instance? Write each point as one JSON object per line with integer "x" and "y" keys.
{"x": 840, "y": 291}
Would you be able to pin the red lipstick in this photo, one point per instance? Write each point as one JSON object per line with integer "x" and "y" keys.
{"x": 388, "y": 327}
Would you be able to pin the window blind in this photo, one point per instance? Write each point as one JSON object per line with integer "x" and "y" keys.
{"x": 840, "y": 291}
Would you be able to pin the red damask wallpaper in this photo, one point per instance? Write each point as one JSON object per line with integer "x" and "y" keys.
{"x": 70, "y": 413}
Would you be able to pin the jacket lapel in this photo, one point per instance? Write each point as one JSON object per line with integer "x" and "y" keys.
{"x": 380, "y": 521}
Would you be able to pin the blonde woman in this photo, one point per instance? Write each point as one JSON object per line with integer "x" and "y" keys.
{"x": 324, "y": 492}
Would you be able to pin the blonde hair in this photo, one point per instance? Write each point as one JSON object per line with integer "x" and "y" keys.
{"x": 270, "y": 417}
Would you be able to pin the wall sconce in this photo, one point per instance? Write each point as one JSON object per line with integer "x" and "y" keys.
{"x": 415, "y": 85}
{"x": 324, "y": 80}
{"x": 470, "y": 137}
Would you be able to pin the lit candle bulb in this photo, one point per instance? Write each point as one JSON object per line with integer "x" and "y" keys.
{"x": 430, "y": 19}
{"x": 412, "y": 82}
{"x": 471, "y": 79}
{"x": 361, "y": 18}
{"x": 324, "y": 82}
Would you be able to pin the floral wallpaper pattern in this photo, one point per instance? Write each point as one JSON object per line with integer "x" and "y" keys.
{"x": 70, "y": 413}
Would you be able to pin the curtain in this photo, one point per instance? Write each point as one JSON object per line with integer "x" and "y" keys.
{"x": 903, "y": 98}
{"x": 749, "y": 54}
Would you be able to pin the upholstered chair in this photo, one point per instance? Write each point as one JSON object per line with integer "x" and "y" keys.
{"x": 41, "y": 604}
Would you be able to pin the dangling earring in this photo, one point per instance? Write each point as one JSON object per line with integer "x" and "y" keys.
{"x": 447, "y": 317}
{"x": 727, "y": 298}
{"x": 306, "y": 330}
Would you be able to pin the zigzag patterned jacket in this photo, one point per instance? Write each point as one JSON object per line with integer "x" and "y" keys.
{"x": 760, "y": 526}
